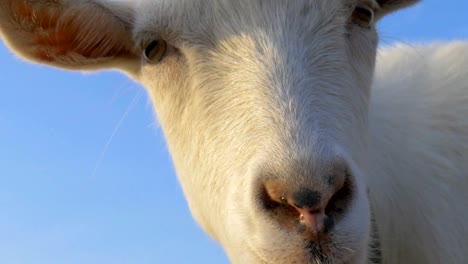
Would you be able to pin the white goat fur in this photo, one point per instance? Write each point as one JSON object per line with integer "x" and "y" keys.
{"x": 253, "y": 84}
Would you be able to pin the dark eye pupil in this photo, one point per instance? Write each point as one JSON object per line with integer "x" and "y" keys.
{"x": 363, "y": 11}
{"x": 363, "y": 16}
{"x": 149, "y": 49}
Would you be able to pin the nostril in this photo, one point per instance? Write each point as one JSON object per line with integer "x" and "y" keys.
{"x": 273, "y": 195}
{"x": 274, "y": 199}
{"x": 268, "y": 202}
{"x": 339, "y": 202}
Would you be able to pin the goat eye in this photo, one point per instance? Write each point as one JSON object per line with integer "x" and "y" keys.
{"x": 363, "y": 16}
{"x": 155, "y": 51}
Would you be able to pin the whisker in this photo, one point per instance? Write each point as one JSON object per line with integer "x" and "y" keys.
{"x": 114, "y": 132}
{"x": 121, "y": 90}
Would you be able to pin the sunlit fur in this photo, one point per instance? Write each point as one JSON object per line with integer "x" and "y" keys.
{"x": 419, "y": 151}
{"x": 255, "y": 85}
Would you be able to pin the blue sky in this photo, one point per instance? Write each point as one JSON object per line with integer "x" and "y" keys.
{"x": 66, "y": 198}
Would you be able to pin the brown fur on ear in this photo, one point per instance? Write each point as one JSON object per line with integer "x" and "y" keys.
{"x": 388, "y": 6}
{"x": 70, "y": 34}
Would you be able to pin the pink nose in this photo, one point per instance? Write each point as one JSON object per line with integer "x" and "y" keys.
{"x": 314, "y": 219}
{"x": 312, "y": 208}
{"x": 311, "y": 211}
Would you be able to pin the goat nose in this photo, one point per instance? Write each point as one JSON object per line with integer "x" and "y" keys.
{"x": 314, "y": 219}
{"x": 310, "y": 207}
{"x": 315, "y": 208}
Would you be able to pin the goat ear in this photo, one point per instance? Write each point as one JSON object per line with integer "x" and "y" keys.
{"x": 72, "y": 34}
{"x": 388, "y": 6}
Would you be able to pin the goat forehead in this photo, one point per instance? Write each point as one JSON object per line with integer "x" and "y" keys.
{"x": 214, "y": 16}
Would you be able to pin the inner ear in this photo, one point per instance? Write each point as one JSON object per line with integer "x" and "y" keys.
{"x": 71, "y": 34}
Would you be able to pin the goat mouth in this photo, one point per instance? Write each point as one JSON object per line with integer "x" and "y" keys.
{"x": 325, "y": 251}
{"x": 318, "y": 251}
{"x": 306, "y": 258}
{"x": 312, "y": 252}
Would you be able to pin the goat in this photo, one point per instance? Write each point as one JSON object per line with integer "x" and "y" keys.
{"x": 283, "y": 152}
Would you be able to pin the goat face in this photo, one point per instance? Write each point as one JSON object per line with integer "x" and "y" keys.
{"x": 265, "y": 114}
{"x": 263, "y": 104}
